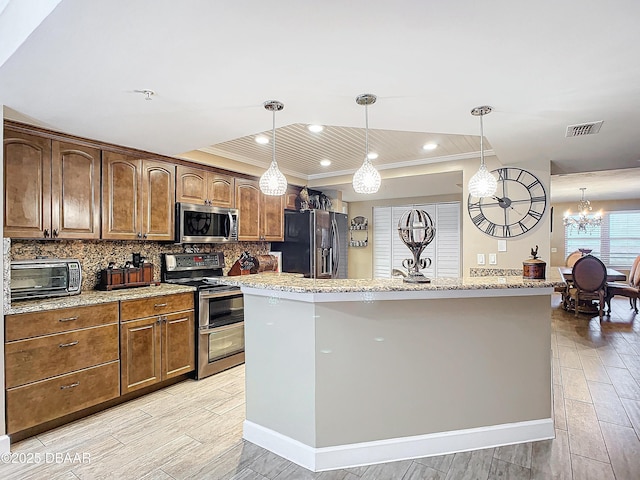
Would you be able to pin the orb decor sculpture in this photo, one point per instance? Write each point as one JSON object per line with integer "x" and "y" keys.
{"x": 416, "y": 230}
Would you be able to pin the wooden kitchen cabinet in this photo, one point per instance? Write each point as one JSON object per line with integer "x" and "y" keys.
{"x": 292, "y": 198}
{"x": 52, "y": 188}
{"x": 60, "y": 361}
{"x": 157, "y": 341}
{"x": 203, "y": 187}
{"x": 137, "y": 198}
{"x": 261, "y": 216}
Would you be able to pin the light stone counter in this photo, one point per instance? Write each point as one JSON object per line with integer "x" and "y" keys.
{"x": 341, "y": 373}
{"x": 94, "y": 297}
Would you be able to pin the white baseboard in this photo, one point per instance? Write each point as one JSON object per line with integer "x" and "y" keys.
{"x": 5, "y": 444}
{"x": 367, "y": 453}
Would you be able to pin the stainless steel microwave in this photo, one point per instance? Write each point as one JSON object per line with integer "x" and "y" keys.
{"x": 206, "y": 224}
{"x": 45, "y": 277}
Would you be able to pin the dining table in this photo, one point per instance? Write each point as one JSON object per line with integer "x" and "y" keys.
{"x": 612, "y": 274}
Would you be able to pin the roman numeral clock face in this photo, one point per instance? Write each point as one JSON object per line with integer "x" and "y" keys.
{"x": 516, "y": 207}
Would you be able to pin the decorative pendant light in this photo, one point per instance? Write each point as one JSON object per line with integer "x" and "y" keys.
{"x": 482, "y": 184}
{"x": 584, "y": 221}
{"x": 273, "y": 182}
{"x": 366, "y": 179}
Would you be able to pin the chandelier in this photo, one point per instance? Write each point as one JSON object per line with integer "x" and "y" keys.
{"x": 482, "y": 184}
{"x": 584, "y": 220}
{"x": 366, "y": 179}
{"x": 273, "y": 182}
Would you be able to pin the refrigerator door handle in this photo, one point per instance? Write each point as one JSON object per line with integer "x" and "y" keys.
{"x": 335, "y": 248}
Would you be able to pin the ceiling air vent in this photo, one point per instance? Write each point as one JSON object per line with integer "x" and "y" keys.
{"x": 583, "y": 129}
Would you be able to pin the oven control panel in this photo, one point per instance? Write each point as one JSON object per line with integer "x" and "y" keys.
{"x": 193, "y": 261}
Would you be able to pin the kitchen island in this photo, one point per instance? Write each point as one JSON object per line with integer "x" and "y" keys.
{"x": 352, "y": 372}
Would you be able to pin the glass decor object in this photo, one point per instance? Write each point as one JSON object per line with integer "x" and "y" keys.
{"x": 366, "y": 179}
{"x": 273, "y": 182}
{"x": 584, "y": 220}
{"x": 483, "y": 183}
{"x": 416, "y": 230}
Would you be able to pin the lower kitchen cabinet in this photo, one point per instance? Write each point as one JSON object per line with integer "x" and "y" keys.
{"x": 39, "y": 402}
{"x": 159, "y": 343}
{"x": 60, "y": 361}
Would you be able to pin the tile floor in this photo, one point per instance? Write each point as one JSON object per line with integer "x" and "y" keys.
{"x": 194, "y": 429}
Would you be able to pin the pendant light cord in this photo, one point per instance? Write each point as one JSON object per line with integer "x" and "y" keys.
{"x": 273, "y": 135}
{"x": 481, "y": 141}
{"x": 366, "y": 132}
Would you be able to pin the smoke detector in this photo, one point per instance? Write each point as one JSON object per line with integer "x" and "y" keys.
{"x": 581, "y": 129}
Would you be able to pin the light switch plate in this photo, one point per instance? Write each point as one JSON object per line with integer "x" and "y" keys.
{"x": 481, "y": 259}
{"x": 502, "y": 245}
{"x": 493, "y": 259}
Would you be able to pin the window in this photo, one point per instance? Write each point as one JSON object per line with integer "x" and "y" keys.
{"x": 616, "y": 241}
{"x": 444, "y": 251}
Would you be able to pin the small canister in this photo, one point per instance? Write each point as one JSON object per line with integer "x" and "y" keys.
{"x": 534, "y": 268}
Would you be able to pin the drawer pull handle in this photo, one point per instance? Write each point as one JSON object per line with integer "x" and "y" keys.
{"x": 64, "y": 387}
{"x": 68, "y": 319}
{"x": 70, "y": 344}
{"x": 158, "y": 305}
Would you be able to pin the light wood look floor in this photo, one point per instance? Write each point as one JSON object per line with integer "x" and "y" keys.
{"x": 194, "y": 429}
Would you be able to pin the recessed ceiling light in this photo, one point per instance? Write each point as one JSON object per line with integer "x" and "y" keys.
{"x": 315, "y": 128}
{"x": 372, "y": 155}
{"x": 430, "y": 146}
{"x": 262, "y": 140}
{"x": 325, "y": 162}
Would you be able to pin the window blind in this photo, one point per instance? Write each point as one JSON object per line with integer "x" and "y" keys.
{"x": 616, "y": 241}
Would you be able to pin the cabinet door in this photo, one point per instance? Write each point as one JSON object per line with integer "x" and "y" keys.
{"x": 191, "y": 185}
{"x": 120, "y": 197}
{"x": 291, "y": 200}
{"x": 75, "y": 191}
{"x": 248, "y": 203}
{"x": 272, "y": 221}
{"x": 178, "y": 349}
{"x": 158, "y": 204}
{"x": 221, "y": 191}
{"x": 140, "y": 353}
{"x": 27, "y": 185}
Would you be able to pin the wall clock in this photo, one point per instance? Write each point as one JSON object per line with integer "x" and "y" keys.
{"x": 516, "y": 207}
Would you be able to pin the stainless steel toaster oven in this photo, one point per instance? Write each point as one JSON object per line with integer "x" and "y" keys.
{"x": 45, "y": 277}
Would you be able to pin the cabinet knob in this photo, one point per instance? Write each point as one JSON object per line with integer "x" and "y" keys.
{"x": 144, "y": 235}
{"x": 46, "y": 233}
{"x": 54, "y": 233}
{"x": 139, "y": 235}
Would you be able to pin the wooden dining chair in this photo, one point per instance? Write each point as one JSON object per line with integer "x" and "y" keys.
{"x": 629, "y": 289}
{"x": 589, "y": 283}
{"x": 572, "y": 258}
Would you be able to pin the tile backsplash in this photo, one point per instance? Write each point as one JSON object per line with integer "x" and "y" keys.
{"x": 95, "y": 255}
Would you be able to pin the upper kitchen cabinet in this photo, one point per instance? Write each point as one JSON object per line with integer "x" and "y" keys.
{"x": 51, "y": 188}
{"x": 261, "y": 216}
{"x": 291, "y": 198}
{"x": 137, "y": 198}
{"x": 203, "y": 187}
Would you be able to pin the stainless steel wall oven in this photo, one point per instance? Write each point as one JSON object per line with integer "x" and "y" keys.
{"x": 220, "y": 310}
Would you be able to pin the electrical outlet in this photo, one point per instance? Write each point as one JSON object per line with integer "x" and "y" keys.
{"x": 554, "y": 250}
{"x": 493, "y": 259}
{"x": 481, "y": 259}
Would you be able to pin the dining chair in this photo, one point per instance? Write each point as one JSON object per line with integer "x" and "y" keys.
{"x": 629, "y": 289}
{"x": 589, "y": 283}
{"x": 571, "y": 259}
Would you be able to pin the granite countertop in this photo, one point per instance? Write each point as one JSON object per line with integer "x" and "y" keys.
{"x": 288, "y": 282}
{"x": 94, "y": 297}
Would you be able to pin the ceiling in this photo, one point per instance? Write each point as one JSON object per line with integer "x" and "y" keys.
{"x": 542, "y": 66}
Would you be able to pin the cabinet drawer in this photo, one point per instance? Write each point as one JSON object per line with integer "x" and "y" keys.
{"x": 40, "y": 402}
{"x": 43, "y": 357}
{"x": 150, "y": 307}
{"x": 26, "y": 325}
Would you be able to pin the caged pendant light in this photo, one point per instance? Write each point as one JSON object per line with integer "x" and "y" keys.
{"x": 273, "y": 182}
{"x": 366, "y": 179}
{"x": 482, "y": 184}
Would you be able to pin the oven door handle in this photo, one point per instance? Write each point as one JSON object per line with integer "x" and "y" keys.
{"x": 226, "y": 293}
{"x": 207, "y": 331}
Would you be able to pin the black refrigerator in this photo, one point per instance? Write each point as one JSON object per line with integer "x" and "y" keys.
{"x": 315, "y": 243}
